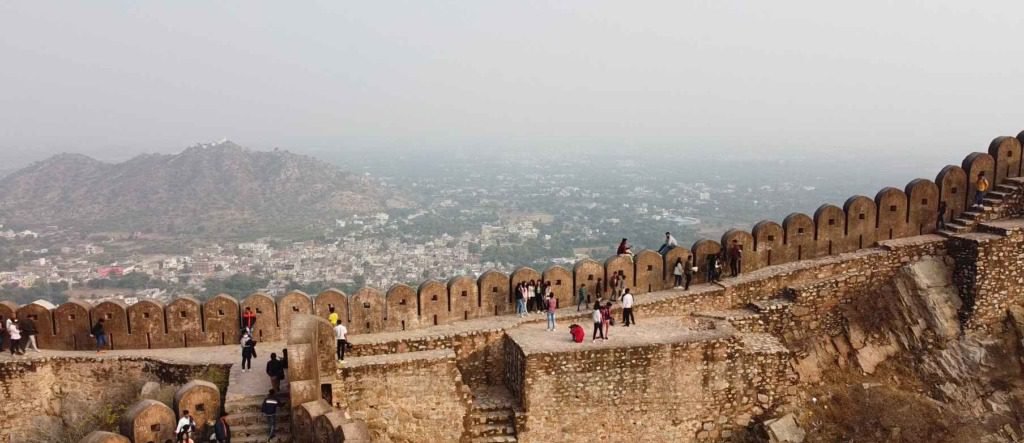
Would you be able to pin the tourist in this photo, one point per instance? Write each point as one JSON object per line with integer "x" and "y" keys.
{"x": 712, "y": 264}
{"x": 622, "y": 285}
{"x": 186, "y": 425}
{"x": 3, "y": 333}
{"x": 606, "y": 319}
{"x": 625, "y": 249}
{"x": 28, "y": 332}
{"x": 613, "y": 286}
{"x": 627, "y": 309}
{"x": 670, "y": 242}
{"x": 735, "y": 258}
{"x": 530, "y": 289}
{"x": 341, "y": 340}
{"x": 14, "y": 335}
{"x": 269, "y": 409}
{"x": 599, "y": 289}
{"x": 598, "y": 322}
{"x": 222, "y": 431}
{"x": 284, "y": 363}
{"x": 248, "y": 353}
{"x": 688, "y": 269}
{"x": 940, "y": 222}
{"x": 678, "y": 272}
{"x": 520, "y": 299}
{"x": 577, "y": 333}
{"x": 581, "y": 297}
{"x": 248, "y": 319}
{"x": 333, "y": 317}
{"x": 980, "y": 188}
{"x": 100, "y": 335}
{"x": 275, "y": 369}
{"x": 552, "y": 305}
{"x": 538, "y": 296}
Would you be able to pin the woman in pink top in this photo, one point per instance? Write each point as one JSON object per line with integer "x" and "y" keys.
{"x": 552, "y": 305}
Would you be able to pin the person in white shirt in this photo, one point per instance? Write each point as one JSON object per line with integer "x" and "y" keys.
{"x": 185, "y": 427}
{"x": 598, "y": 326}
{"x": 627, "y": 309}
{"x": 341, "y": 335}
{"x": 670, "y": 242}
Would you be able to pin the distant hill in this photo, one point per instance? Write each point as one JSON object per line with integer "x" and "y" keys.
{"x": 220, "y": 189}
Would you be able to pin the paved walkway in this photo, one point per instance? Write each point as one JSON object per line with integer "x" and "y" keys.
{"x": 536, "y": 339}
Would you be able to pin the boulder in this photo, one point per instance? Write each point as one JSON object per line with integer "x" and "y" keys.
{"x": 784, "y": 430}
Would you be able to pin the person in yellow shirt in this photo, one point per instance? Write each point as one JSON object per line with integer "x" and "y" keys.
{"x": 981, "y": 187}
{"x": 333, "y": 317}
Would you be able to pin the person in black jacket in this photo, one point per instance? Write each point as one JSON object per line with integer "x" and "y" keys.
{"x": 28, "y": 332}
{"x": 248, "y": 353}
{"x": 275, "y": 369}
{"x": 269, "y": 408}
{"x": 100, "y": 334}
{"x": 222, "y": 431}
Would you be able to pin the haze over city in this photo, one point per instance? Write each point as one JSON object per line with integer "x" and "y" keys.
{"x": 114, "y": 79}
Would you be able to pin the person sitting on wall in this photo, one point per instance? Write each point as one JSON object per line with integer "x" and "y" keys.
{"x": 980, "y": 188}
{"x": 670, "y": 242}
{"x": 625, "y": 249}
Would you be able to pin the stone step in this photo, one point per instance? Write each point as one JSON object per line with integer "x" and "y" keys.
{"x": 260, "y": 429}
{"x": 946, "y": 233}
{"x": 279, "y": 438}
{"x": 251, "y": 418}
{"x": 501, "y": 417}
{"x": 251, "y": 404}
{"x": 991, "y": 200}
{"x": 1000, "y": 193}
{"x": 493, "y": 439}
{"x": 765, "y": 305}
{"x": 491, "y": 430}
{"x": 958, "y": 227}
{"x": 729, "y": 314}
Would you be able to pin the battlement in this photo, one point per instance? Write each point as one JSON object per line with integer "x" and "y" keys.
{"x": 861, "y": 223}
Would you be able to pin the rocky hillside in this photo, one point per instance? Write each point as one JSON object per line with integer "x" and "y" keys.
{"x": 213, "y": 188}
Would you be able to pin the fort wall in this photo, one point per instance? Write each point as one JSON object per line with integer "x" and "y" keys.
{"x": 862, "y": 221}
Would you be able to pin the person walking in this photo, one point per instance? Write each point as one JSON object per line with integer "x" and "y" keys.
{"x": 552, "y": 306}
{"x": 677, "y": 273}
{"x": 538, "y": 296}
{"x": 627, "y": 309}
{"x": 248, "y": 319}
{"x": 333, "y": 317}
{"x": 341, "y": 340}
{"x": 599, "y": 289}
{"x": 670, "y": 242}
{"x": 980, "y": 188}
{"x": 248, "y": 353}
{"x": 29, "y": 332}
{"x": 186, "y": 425}
{"x": 735, "y": 258}
{"x": 275, "y": 369}
{"x": 222, "y": 431}
{"x": 712, "y": 271}
{"x": 606, "y": 319}
{"x": 688, "y": 269}
{"x": 14, "y": 335}
{"x": 269, "y": 410}
{"x": 940, "y": 222}
{"x": 581, "y": 296}
{"x": 598, "y": 322}
{"x": 100, "y": 335}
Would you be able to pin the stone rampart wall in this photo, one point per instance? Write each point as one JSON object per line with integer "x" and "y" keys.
{"x": 860, "y": 223}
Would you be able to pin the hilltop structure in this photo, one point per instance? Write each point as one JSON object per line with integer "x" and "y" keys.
{"x": 869, "y": 288}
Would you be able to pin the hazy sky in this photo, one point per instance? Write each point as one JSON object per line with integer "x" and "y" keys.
{"x": 114, "y": 78}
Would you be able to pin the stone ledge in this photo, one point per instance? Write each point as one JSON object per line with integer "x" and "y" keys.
{"x": 655, "y": 331}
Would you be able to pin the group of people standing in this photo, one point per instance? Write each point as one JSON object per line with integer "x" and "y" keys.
{"x": 18, "y": 335}
{"x": 532, "y": 296}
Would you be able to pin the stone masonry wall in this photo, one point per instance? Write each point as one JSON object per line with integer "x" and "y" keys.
{"x": 37, "y": 390}
{"x": 410, "y": 397}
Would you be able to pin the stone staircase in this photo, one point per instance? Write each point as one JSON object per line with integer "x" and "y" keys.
{"x": 491, "y": 418}
{"x": 996, "y": 198}
{"x": 248, "y": 424}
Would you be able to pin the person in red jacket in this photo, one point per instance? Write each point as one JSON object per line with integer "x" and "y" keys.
{"x": 248, "y": 319}
{"x": 577, "y": 333}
